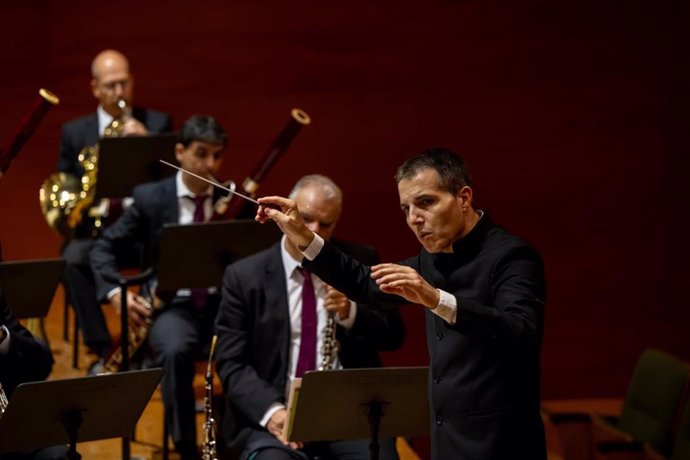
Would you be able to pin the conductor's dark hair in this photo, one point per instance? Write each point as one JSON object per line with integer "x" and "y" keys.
{"x": 452, "y": 170}
{"x": 202, "y": 128}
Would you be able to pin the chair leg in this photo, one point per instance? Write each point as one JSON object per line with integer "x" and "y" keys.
{"x": 65, "y": 317}
{"x": 165, "y": 437}
{"x": 75, "y": 344}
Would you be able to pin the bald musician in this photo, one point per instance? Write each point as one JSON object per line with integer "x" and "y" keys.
{"x": 111, "y": 80}
{"x": 271, "y": 329}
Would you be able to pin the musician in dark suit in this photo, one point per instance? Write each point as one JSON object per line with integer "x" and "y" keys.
{"x": 268, "y": 334}
{"x": 111, "y": 81}
{"x": 484, "y": 293}
{"x": 181, "y": 330}
{"x": 23, "y": 359}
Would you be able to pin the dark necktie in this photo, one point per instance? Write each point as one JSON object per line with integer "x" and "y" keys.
{"x": 199, "y": 295}
{"x": 307, "y": 348}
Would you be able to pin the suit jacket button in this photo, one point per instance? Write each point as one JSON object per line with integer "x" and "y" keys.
{"x": 439, "y": 336}
{"x": 439, "y": 420}
{"x": 437, "y": 379}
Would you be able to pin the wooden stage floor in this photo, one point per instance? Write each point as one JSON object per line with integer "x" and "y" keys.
{"x": 149, "y": 431}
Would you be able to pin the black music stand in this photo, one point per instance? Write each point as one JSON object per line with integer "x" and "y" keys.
{"x": 59, "y": 412}
{"x": 29, "y": 285}
{"x": 125, "y": 162}
{"x": 369, "y": 403}
{"x": 195, "y": 255}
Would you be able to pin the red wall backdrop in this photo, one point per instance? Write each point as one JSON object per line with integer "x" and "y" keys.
{"x": 573, "y": 116}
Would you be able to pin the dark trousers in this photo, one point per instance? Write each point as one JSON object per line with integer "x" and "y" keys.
{"x": 180, "y": 335}
{"x": 50, "y": 453}
{"x": 81, "y": 291}
{"x": 261, "y": 445}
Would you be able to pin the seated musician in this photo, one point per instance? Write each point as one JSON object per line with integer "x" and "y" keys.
{"x": 111, "y": 82}
{"x": 272, "y": 327}
{"x": 184, "y": 326}
{"x": 22, "y": 359}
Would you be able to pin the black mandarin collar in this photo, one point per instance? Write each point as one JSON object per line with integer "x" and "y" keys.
{"x": 466, "y": 248}
{"x": 473, "y": 240}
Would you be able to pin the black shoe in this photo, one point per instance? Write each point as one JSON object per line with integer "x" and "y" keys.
{"x": 96, "y": 368}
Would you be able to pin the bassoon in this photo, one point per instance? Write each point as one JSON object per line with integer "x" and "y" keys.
{"x": 27, "y": 126}
{"x": 227, "y": 208}
{"x": 224, "y": 209}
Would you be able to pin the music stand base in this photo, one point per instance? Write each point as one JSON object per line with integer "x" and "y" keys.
{"x": 374, "y": 415}
{"x": 72, "y": 421}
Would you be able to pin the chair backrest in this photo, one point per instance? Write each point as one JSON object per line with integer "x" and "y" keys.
{"x": 652, "y": 400}
{"x": 681, "y": 446}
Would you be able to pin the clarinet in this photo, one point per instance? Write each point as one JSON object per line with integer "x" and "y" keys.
{"x": 329, "y": 349}
{"x": 3, "y": 401}
{"x": 208, "y": 450}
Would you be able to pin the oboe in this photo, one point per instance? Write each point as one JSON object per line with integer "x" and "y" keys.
{"x": 208, "y": 450}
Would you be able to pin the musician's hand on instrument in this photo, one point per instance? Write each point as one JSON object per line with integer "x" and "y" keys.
{"x": 133, "y": 127}
{"x": 284, "y": 212}
{"x": 336, "y": 303}
{"x": 138, "y": 309}
{"x": 405, "y": 282}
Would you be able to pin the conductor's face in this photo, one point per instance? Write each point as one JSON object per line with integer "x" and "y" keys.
{"x": 201, "y": 158}
{"x": 437, "y": 217}
{"x": 319, "y": 210}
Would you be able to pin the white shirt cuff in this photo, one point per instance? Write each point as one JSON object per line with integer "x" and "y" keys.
{"x": 5, "y": 344}
{"x": 447, "y": 307}
{"x": 112, "y": 292}
{"x": 314, "y": 248}
{"x": 348, "y": 322}
{"x": 272, "y": 409}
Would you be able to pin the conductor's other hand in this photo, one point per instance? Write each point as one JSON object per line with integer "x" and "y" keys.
{"x": 138, "y": 309}
{"x": 405, "y": 282}
{"x": 284, "y": 212}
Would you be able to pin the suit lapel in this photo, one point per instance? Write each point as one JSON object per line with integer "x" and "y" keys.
{"x": 91, "y": 130}
{"x": 277, "y": 301}
{"x": 170, "y": 213}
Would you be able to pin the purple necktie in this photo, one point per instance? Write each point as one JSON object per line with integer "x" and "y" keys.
{"x": 199, "y": 295}
{"x": 307, "y": 348}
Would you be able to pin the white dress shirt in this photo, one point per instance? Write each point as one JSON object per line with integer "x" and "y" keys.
{"x": 293, "y": 281}
{"x": 104, "y": 120}
{"x": 186, "y": 209}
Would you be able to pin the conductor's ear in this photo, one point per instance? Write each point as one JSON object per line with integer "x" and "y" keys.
{"x": 465, "y": 196}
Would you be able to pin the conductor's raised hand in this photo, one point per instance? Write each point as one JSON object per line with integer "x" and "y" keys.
{"x": 284, "y": 212}
{"x": 405, "y": 282}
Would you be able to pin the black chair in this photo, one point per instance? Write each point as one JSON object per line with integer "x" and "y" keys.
{"x": 651, "y": 403}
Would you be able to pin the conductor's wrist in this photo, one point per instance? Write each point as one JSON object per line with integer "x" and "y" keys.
{"x": 306, "y": 238}
{"x": 313, "y": 247}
